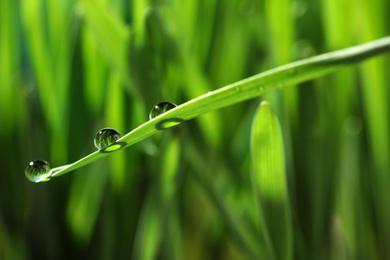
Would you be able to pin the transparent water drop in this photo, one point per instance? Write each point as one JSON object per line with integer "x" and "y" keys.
{"x": 160, "y": 109}
{"x": 106, "y": 137}
{"x": 38, "y": 171}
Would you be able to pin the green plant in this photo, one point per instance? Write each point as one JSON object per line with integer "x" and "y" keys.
{"x": 198, "y": 190}
{"x": 257, "y": 85}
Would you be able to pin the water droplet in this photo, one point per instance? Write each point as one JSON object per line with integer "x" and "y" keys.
{"x": 38, "y": 171}
{"x": 160, "y": 109}
{"x": 237, "y": 89}
{"x": 106, "y": 137}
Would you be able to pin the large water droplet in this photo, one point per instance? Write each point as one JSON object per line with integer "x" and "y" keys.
{"x": 106, "y": 137}
{"x": 38, "y": 171}
{"x": 160, "y": 109}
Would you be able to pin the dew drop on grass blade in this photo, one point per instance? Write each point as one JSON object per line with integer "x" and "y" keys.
{"x": 280, "y": 77}
{"x": 38, "y": 171}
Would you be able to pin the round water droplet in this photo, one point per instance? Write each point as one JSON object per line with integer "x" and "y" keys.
{"x": 160, "y": 109}
{"x": 38, "y": 171}
{"x": 106, "y": 137}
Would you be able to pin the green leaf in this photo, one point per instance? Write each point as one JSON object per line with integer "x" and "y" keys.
{"x": 251, "y": 87}
{"x": 269, "y": 182}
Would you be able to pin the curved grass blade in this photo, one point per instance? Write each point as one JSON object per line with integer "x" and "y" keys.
{"x": 251, "y": 87}
{"x": 270, "y": 184}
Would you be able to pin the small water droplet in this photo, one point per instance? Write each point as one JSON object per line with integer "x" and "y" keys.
{"x": 237, "y": 89}
{"x": 106, "y": 137}
{"x": 160, "y": 109}
{"x": 38, "y": 171}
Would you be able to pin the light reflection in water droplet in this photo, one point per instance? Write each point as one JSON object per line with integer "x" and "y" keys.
{"x": 38, "y": 171}
{"x": 106, "y": 137}
{"x": 160, "y": 109}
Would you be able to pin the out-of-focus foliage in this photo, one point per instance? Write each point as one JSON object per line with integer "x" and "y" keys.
{"x": 70, "y": 68}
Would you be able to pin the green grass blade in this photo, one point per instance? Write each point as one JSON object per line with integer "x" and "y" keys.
{"x": 281, "y": 29}
{"x": 95, "y": 71}
{"x": 338, "y": 30}
{"x": 194, "y": 81}
{"x": 174, "y": 240}
{"x": 115, "y": 117}
{"x": 170, "y": 165}
{"x": 269, "y": 182}
{"x": 85, "y": 199}
{"x": 240, "y": 229}
{"x": 138, "y": 10}
{"x": 111, "y": 34}
{"x": 375, "y": 89}
{"x": 44, "y": 69}
{"x": 254, "y": 86}
{"x": 9, "y": 61}
{"x": 160, "y": 206}
{"x": 351, "y": 194}
{"x": 149, "y": 232}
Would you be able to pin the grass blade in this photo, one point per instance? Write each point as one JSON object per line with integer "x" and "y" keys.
{"x": 95, "y": 72}
{"x": 374, "y": 77}
{"x": 351, "y": 204}
{"x": 85, "y": 199}
{"x": 149, "y": 232}
{"x": 240, "y": 229}
{"x": 9, "y": 61}
{"x": 111, "y": 34}
{"x": 115, "y": 117}
{"x": 269, "y": 182}
{"x": 254, "y": 86}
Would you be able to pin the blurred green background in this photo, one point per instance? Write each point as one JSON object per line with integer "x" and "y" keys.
{"x": 69, "y": 68}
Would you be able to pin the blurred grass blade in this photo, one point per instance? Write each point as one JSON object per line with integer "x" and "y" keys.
{"x": 111, "y": 35}
{"x": 338, "y": 30}
{"x": 270, "y": 182}
{"x": 115, "y": 118}
{"x": 85, "y": 198}
{"x": 349, "y": 189}
{"x": 338, "y": 246}
{"x": 95, "y": 71}
{"x": 45, "y": 68}
{"x": 159, "y": 207}
{"x": 148, "y": 236}
{"x": 254, "y": 86}
{"x": 281, "y": 30}
{"x": 194, "y": 83}
{"x": 138, "y": 9}
{"x": 242, "y": 230}
{"x": 351, "y": 204}
{"x": 169, "y": 167}
{"x": 174, "y": 240}
{"x": 9, "y": 62}
{"x": 373, "y": 17}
